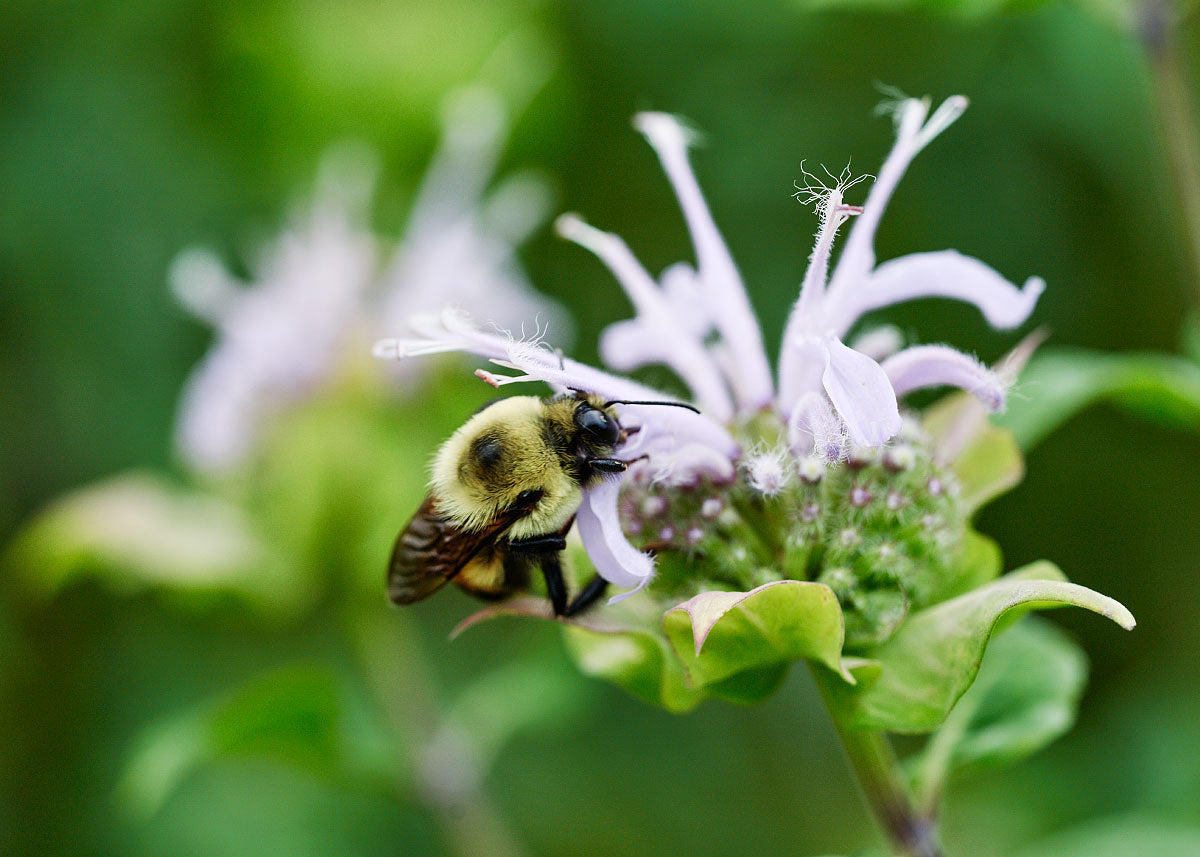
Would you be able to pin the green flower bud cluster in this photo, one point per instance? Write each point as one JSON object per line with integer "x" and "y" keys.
{"x": 883, "y": 529}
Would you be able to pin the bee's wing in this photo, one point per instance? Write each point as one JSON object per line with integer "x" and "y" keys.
{"x": 431, "y": 550}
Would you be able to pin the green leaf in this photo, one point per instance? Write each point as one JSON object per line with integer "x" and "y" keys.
{"x": 1059, "y": 384}
{"x": 984, "y": 456}
{"x": 718, "y": 635}
{"x": 138, "y": 531}
{"x": 639, "y": 660}
{"x": 935, "y": 655}
{"x": 1025, "y": 697}
{"x": 299, "y": 715}
{"x": 1121, "y": 837}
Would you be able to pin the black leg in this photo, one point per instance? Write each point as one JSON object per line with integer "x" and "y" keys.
{"x": 555, "y": 587}
{"x": 587, "y": 596}
{"x": 539, "y": 545}
{"x": 607, "y": 465}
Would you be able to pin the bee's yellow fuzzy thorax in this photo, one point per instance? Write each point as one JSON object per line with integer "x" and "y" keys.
{"x": 500, "y": 452}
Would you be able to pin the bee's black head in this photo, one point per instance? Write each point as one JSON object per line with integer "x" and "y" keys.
{"x": 596, "y": 425}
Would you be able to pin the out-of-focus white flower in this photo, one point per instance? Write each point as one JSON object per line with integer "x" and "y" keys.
{"x": 459, "y": 246}
{"x": 283, "y": 333}
{"x": 837, "y": 402}
{"x": 320, "y": 287}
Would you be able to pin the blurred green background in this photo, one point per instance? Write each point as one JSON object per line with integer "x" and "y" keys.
{"x": 130, "y": 131}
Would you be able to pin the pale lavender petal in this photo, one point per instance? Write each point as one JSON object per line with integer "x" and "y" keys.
{"x": 682, "y": 287}
{"x": 879, "y": 343}
{"x": 680, "y": 426}
{"x": 801, "y": 366}
{"x": 679, "y": 466}
{"x": 858, "y": 255}
{"x": 944, "y": 274}
{"x": 727, "y": 301}
{"x": 939, "y": 365}
{"x": 912, "y": 135}
{"x": 660, "y": 336}
{"x": 807, "y": 319}
{"x": 814, "y": 429}
{"x": 862, "y": 395}
{"x": 615, "y": 559}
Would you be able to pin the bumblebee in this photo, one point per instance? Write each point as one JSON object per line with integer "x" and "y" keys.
{"x": 503, "y": 494}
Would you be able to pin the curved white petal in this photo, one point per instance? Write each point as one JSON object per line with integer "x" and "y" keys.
{"x": 728, "y": 304}
{"x": 940, "y": 365}
{"x": 862, "y": 395}
{"x": 615, "y": 559}
{"x": 944, "y": 274}
{"x": 681, "y": 284}
{"x": 628, "y": 345}
{"x": 913, "y": 134}
{"x": 879, "y": 343}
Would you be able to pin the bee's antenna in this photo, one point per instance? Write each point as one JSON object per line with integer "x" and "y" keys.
{"x": 691, "y": 408}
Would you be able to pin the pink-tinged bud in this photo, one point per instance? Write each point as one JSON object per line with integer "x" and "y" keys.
{"x": 666, "y": 534}
{"x": 860, "y": 497}
{"x": 711, "y": 508}
{"x": 811, "y": 469}
{"x": 848, "y": 537}
{"x": 810, "y": 513}
{"x": 694, "y": 535}
{"x": 936, "y": 487}
{"x": 899, "y": 459}
{"x": 654, "y": 506}
{"x": 896, "y": 501}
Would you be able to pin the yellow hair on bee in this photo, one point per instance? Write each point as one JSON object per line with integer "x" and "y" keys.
{"x": 502, "y": 451}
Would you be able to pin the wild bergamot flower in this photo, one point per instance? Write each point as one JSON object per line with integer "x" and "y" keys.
{"x": 819, "y": 468}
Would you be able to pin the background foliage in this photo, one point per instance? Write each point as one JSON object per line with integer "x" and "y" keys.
{"x": 128, "y": 131}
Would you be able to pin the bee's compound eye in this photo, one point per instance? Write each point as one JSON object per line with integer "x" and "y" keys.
{"x": 598, "y": 425}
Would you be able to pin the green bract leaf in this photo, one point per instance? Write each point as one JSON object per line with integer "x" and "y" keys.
{"x": 1025, "y": 696}
{"x": 299, "y": 715}
{"x": 935, "y": 655}
{"x": 985, "y": 457}
{"x": 718, "y": 635}
{"x": 138, "y": 531}
{"x": 1063, "y": 382}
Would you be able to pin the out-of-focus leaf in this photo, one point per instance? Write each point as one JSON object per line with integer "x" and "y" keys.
{"x": 1025, "y": 696}
{"x": 298, "y": 715}
{"x": 1124, "y": 836}
{"x": 935, "y": 655}
{"x": 985, "y": 457}
{"x": 719, "y": 635}
{"x": 518, "y": 696}
{"x": 1113, "y": 12}
{"x": 138, "y": 531}
{"x": 1059, "y": 384}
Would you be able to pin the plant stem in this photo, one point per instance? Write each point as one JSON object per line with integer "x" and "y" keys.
{"x": 1162, "y": 37}
{"x": 875, "y": 767}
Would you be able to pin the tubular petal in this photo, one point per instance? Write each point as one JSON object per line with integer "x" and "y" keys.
{"x": 862, "y": 395}
{"x": 944, "y": 274}
{"x": 729, "y": 305}
{"x": 615, "y": 559}
{"x": 940, "y": 365}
